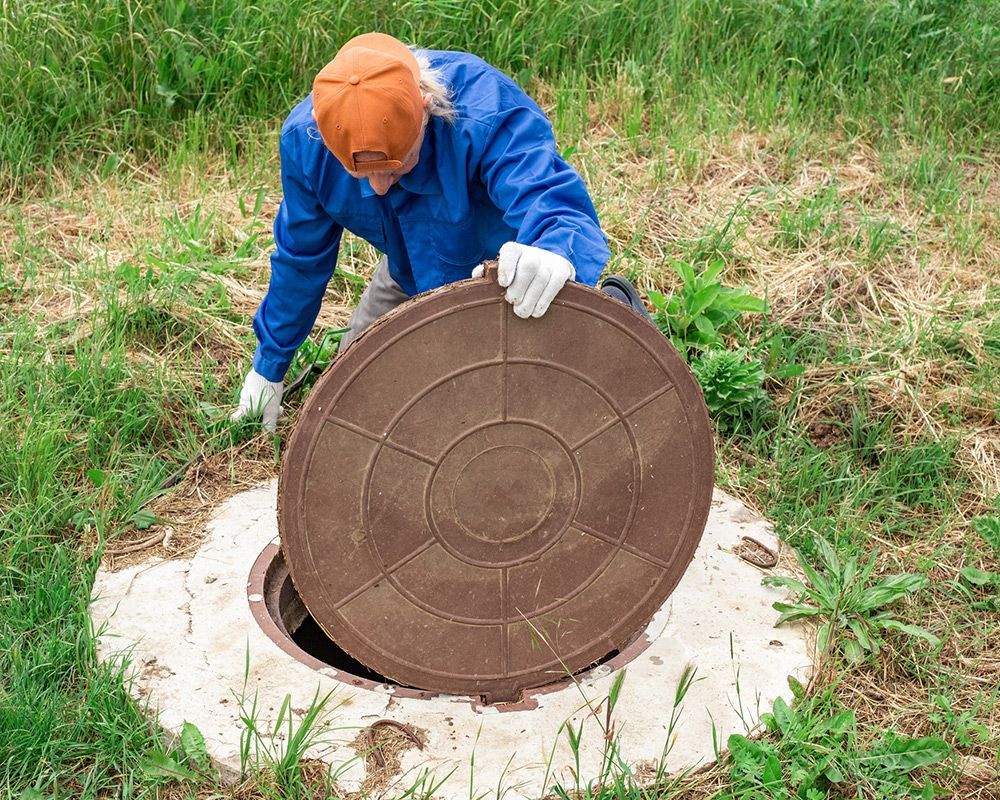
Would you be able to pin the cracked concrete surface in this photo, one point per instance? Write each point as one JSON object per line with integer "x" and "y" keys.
{"x": 194, "y": 649}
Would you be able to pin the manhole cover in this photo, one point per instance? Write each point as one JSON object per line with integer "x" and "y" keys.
{"x": 474, "y": 503}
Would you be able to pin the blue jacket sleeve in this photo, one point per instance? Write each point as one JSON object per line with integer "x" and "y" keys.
{"x": 541, "y": 195}
{"x": 306, "y": 242}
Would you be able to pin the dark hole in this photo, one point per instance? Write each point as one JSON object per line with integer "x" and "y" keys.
{"x": 294, "y": 620}
{"x": 311, "y": 638}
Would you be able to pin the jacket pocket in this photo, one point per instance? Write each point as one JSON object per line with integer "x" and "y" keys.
{"x": 460, "y": 244}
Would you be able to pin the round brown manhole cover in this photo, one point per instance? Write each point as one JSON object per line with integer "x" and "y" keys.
{"x": 475, "y": 503}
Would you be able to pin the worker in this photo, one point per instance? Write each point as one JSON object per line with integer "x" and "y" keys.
{"x": 440, "y": 162}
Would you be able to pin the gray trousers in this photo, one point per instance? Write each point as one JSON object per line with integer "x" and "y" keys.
{"x": 380, "y": 297}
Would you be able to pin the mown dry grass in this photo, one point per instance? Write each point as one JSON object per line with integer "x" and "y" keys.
{"x": 874, "y": 268}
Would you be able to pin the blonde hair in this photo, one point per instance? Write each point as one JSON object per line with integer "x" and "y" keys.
{"x": 432, "y": 82}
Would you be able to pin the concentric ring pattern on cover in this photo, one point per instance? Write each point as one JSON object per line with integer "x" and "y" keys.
{"x": 474, "y": 503}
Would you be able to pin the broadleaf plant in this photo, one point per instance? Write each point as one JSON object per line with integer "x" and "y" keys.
{"x": 989, "y": 528}
{"x": 702, "y": 310}
{"x": 695, "y": 319}
{"x": 850, "y": 608}
{"x": 809, "y": 751}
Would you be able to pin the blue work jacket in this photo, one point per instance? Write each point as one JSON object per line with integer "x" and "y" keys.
{"x": 491, "y": 176}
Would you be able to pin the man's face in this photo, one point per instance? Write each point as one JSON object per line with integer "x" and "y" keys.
{"x": 381, "y": 180}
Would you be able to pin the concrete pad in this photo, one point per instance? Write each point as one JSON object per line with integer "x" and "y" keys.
{"x": 195, "y": 649}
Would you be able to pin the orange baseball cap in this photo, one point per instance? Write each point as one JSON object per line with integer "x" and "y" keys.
{"x": 368, "y": 99}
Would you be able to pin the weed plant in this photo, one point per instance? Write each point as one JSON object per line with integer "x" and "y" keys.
{"x": 731, "y": 383}
{"x": 811, "y": 752}
{"x": 843, "y": 599}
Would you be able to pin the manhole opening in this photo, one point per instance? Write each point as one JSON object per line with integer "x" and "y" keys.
{"x": 283, "y": 616}
{"x": 311, "y": 638}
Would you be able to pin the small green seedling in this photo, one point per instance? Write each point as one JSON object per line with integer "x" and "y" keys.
{"x": 188, "y": 760}
{"x": 989, "y": 529}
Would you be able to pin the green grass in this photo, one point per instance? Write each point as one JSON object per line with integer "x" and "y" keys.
{"x": 96, "y": 79}
{"x": 821, "y": 152}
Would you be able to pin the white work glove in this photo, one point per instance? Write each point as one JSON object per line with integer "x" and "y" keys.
{"x": 260, "y": 397}
{"x": 532, "y": 277}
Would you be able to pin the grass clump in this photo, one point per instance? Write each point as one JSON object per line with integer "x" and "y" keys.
{"x": 103, "y": 77}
